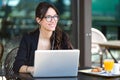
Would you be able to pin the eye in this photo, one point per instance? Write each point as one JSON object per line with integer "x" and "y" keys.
{"x": 48, "y": 16}
{"x": 56, "y": 17}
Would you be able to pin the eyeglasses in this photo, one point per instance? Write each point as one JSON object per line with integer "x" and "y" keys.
{"x": 49, "y": 18}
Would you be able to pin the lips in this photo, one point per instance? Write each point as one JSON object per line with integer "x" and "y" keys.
{"x": 51, "y": 25}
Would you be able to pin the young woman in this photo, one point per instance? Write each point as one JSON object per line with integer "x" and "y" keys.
{"x": 47, "y": 37}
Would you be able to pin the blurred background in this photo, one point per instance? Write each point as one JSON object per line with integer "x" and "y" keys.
{"x": 17, "y": 17}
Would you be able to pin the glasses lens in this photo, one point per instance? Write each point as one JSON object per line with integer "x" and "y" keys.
{"x": 49, "y": 18}
{"x": 55, "y": 18}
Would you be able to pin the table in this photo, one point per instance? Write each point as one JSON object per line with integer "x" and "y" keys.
{"x": 113, "y": 44}
{"x": 81, "y": 76}
{"x": 109, "y": 45}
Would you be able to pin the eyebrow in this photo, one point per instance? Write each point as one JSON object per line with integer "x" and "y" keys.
{"x": 51, "y": 15}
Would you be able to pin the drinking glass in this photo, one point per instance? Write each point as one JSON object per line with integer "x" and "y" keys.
{"x": 108, "y": 65}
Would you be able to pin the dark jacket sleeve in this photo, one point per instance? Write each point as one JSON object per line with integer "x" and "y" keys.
{"x": 20, "y": 59}
{"x": 25, "y": 54}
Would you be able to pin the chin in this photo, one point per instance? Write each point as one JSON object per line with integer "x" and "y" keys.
{"x": 53, "y": 29}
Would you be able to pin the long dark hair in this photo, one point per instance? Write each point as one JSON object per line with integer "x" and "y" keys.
{"x": 42, "y": 9}
{"x": 57, "y": 35}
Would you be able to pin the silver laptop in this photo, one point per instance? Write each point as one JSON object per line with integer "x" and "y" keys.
{"x": 66, "y": 78}
{"x": 56, "y": 63}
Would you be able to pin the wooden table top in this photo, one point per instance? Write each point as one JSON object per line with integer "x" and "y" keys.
{"x": 113, "y": 44}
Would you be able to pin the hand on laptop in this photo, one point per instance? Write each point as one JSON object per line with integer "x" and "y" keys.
{"x": 30, "y": 69}
{"x": 26, "y": 69}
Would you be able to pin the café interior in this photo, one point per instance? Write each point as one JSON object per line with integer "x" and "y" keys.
{"x": 78, "y": 18}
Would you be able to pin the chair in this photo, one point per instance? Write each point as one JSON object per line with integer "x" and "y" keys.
{"x": 97, "y": 36}
{"x": 1, "y": 55}
{"x": 8, "y": 64}
{"x": 1, "y": 51}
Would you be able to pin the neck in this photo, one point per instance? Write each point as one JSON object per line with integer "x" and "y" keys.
{"x": 45, "y": 34}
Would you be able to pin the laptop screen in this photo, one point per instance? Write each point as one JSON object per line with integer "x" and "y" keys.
{"x": 56, "y": 63}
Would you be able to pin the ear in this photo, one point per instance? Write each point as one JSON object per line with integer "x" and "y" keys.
{"x": 38, "y": 20}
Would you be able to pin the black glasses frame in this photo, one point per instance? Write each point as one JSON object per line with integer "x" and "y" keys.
{"x": 49, "y": 18}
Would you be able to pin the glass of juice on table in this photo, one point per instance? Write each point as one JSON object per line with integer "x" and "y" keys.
{"x": 108, "y": 65}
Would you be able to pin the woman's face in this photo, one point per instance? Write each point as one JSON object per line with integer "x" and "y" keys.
{"x": 50, "y": 20}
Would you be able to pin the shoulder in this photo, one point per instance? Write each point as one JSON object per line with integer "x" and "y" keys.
{"x": 31, "y": 35}
{"x": 34, "y": 32}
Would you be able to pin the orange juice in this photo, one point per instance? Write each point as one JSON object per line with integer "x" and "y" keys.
{"x": 108, "y": 64}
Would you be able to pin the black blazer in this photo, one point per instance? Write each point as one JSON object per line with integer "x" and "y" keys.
{"x": 28, "y": 45}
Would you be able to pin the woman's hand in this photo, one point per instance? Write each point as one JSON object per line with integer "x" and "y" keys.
{"x": 26, "y": 69}
{"x": 30, "y": 69}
